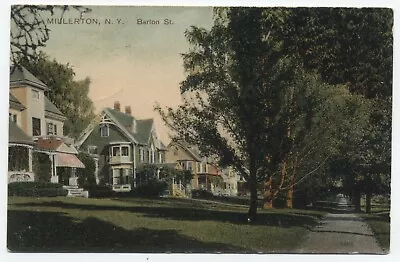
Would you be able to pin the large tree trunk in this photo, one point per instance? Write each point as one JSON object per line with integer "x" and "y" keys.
{"x": 268, "y": 196}
{"x": 368, "y": 197}
{"x": 357, "y": 200}
{"x": 252, "y": 214}
{"x": 289, "y": 198}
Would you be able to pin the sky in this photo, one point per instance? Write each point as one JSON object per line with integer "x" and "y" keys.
{"x": 135, "y": 64}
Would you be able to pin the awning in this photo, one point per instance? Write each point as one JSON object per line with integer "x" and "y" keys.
{"x": 68, "y": 160}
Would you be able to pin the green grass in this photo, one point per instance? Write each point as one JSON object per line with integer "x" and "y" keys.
{"x": 380, "y": 225}
{"x": 143, "y": 225}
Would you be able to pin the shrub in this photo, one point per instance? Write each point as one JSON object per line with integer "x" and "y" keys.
{"x": 41, "y": 166}
{"x": 86, "y": 175}
{"x": 201, "y": 193}
{"x": 98, "y": 191}
{"x": 36, "y": 189}
{"x": 152, "y": 189}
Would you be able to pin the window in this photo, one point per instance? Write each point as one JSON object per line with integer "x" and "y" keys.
{"x": 104, "y": 130}
{"x": 13, "y": 117}
{"x": 198, "y": 167}
{"x": 92, "y": 150}
{"x": 160, "y": 157}
{"x": 55, "y": 130}
{"x": 115, "y": 151}
{"x": 124, "y": 151}
{"x": 141, "y": 154}
{"x": 189, "y": 165}
{"x": 152, "y": 156}
{"x": 35, "y": 94}
{"x": 50, "y": 129}
{"x": 36, "y": 126}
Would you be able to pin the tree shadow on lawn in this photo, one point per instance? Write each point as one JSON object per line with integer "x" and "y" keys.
{"x": 32, "y": 231}
{"x": 273, "y": 218}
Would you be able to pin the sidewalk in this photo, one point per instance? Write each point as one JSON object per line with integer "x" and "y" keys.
{"x": 341, "y": 233}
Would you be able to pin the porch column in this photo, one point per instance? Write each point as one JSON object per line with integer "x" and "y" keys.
{"x": 30, "y": 164}
{"x": 134, "y": 177}
{"x": 52, "y": 165}
{"x": 96, "y": 170}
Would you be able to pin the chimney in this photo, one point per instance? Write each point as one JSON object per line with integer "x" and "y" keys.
{"x": 117, "y": 106}
{"x": 128, "y": 110}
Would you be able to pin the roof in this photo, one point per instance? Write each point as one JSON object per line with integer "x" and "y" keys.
{"x": 68, "y": 160}
{"x": 49, "y": 144}
{"x": 143, "y": 126}
{"x": 192, "y": 150}
{"x": 20, "y": 75}
{"x": 50, "y": 107}
{"x": 168, "y": 165}
{"x": 17, "y": 135}
{"x": 143, "y": 130}
{"x": 213, "y": 170}
{"x": 14, "y": 102}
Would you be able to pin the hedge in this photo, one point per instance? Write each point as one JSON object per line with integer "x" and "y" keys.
{"x": 36, "y": 189}
{"x": 98, "y": 191}
{"x": 152, "y": 189}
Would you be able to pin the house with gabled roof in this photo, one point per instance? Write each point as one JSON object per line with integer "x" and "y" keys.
{"x": 33, "y": 118}
{"x": 204, "y": 172}
{"x": 120, "y": 144}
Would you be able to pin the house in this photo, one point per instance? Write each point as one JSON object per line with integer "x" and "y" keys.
{"x": 33, "y": 119}
{"x": 230, "y": 184}
{"x": 120, "y": 145}
{"x": 205, "y": 174}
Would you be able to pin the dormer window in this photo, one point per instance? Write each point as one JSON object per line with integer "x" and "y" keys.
{"x": 104, "y": 130}
{"x": 35, "y": 94}
{"x": 50, "y": 129}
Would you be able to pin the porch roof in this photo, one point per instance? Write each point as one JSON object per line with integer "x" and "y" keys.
{"x": 17, "y": 135}
{"x": 68, "y": 160}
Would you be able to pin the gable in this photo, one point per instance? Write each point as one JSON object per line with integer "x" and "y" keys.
{"x": 117, "y": 131}
{"x": 95, "y": 139}
{"x": 178, "y": 152}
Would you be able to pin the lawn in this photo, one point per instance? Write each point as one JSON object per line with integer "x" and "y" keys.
{"x": 379, "y": 221}
{"x": 63, "y": 224}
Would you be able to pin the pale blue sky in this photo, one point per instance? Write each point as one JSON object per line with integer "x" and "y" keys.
{"x": 134, "y": 64}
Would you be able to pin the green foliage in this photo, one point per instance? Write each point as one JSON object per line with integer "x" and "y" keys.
{"x": 351, "y": 46}
{"x": 152, "y": 188}
{"x": 36, "y": 189}
{"x": 98, "y": 191}
{"x": 70, "y": 96}
{"x": 86, "y": 175}
{"x": 41, "y": 165}
{"x": 18, "y": 158}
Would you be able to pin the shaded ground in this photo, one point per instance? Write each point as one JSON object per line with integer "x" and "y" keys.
{"x": 341, "y": 232}
{"x": 142, "y": 225}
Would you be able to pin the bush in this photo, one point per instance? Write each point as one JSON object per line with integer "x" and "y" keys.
{"x": 86, "y": 175}
{"x": 152, "y": 189}
{"x": 201, "y": 193}
{"x": 36, "y": 189}
{"x": 98, "y": 191}
{"x": 41, "y": 165}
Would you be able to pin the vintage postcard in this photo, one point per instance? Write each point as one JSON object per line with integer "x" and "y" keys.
{"x": 183, "y": 129}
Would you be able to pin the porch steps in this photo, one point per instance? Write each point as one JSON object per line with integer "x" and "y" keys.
{"x": 74, "y": 191}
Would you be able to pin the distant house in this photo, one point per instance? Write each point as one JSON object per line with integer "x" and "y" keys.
{"x": 120, "y": 144}
{"x": 231, "y": 180}
{"x": 190, "y": 159}
{"x": 33, "y": 122}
